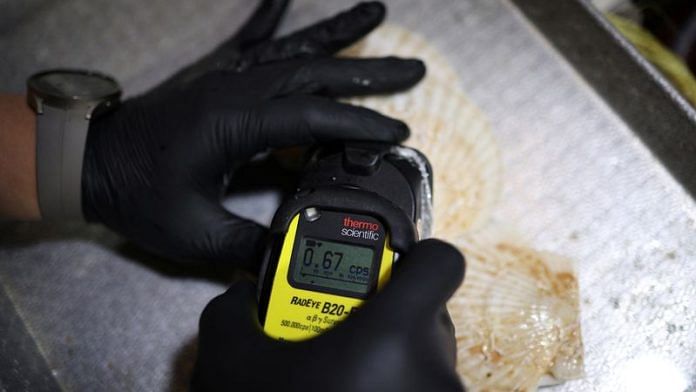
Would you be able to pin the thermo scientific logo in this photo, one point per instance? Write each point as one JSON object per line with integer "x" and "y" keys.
{"x": 360, "y": 229}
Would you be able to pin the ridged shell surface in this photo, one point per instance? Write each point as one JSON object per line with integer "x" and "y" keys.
{"x": 516, "y": 315}
{"x": 445, "y": 126}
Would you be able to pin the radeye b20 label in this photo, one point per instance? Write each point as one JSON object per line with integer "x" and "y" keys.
{"x": 329, "y": 263}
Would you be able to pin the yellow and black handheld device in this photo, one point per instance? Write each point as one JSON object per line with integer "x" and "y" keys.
{"x": 334, "y": 242}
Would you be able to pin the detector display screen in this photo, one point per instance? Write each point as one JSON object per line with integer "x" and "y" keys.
{"x": 333, "y": 265}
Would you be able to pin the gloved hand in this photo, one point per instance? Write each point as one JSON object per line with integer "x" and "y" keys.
{"x": 402, "y": 339}
{"x": 156, "y": 167}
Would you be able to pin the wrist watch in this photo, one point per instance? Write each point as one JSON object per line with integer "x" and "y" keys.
{"x": 65, "y": 101}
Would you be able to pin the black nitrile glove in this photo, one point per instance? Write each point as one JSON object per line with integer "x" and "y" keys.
{"x": 156, "y": 168}
{"x": 400, "y": 340}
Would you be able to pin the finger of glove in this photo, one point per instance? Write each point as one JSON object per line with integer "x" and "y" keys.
{"x": 238, "y": 240}
{"x": 323, "y": 38}
{"x": 422, "y": 282}
{"x": 260, "y": 26}
{"x": 231, "y": 316}
{"x": 263, "y": 23}
{"x": 306, "y": 119}
{"x": 221, "y": 236}
{"x": 226, "y": 336}
{"x": 351, "y": 77}
{"x": 241, "y": 241}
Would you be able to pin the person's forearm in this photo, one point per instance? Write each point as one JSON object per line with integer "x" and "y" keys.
{"x": 18, "y": 194}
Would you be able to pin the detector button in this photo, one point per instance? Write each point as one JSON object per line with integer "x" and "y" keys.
{"x": 312, "y": 214}
{"x": 360, "y": 161}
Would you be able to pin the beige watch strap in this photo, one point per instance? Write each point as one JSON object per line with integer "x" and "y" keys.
{"x": 60, "y": 147}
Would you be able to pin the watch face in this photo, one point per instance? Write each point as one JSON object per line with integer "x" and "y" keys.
{"x": 73, "y": 84}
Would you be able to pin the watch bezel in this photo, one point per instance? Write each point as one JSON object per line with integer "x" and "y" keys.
{"x": 37, "y": 98}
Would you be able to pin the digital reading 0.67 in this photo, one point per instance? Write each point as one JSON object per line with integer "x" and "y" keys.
{"x": 333, "y": 265}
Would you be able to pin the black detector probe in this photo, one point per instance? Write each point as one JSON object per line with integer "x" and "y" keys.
{"x": 333, "y": 243}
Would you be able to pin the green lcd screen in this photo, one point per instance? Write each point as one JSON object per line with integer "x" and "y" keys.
{"x": 333, "y": 265}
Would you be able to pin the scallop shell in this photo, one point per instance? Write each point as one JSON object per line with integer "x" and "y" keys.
{"x": 445, "y": 126}
{"x": 465, "y": 183}
{"x": 516, "y": 316}
{"x": 393, "y": 40}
